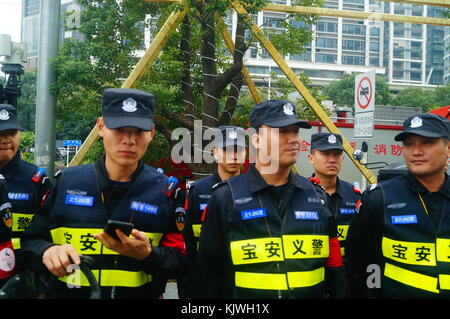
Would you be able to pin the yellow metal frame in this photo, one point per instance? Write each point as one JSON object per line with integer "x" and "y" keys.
{"x": 360, "y": 15}
{"x": 176, "y": 17}
{"x": 301, "y": 88}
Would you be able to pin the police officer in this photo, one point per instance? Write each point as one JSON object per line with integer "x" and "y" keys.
{"x": 327, "y": 158}
{"x": 117, "y": 187}
{"x": 229, "y": 152}
{"x": 267, "y": 234}
{"x": 402, "y": 229}
{"x": 26, "y": 183}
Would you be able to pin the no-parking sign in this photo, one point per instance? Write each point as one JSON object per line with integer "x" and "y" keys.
{"x": 364, "y": 105}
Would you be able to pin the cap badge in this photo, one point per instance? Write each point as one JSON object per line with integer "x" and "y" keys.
{"x": 288, "y": 109}
{"x": 332, "y": 139}
{"x": 4, "y": 115}
{"x": 232, "y": 135}
{"x": 416, "y": 122}
{"x": 129, "y": 105}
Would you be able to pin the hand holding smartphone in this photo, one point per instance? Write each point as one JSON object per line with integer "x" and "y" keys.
{"x": 112, "y": 225}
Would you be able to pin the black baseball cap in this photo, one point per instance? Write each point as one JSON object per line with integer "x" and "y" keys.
{"x": 8, "y": 118}
{"x": 276, "y": 113}
{"x": 128, "y": 107}
{"x": 425, "y": 124}
{"x": 326, "y": 141}
{"x": 231, "y": 136}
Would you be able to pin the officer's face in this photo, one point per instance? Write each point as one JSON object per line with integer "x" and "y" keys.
{"x": 278, "y": 145}
{"x": 425, "y": 156}
{"x": 230, "y": 159}
{"x": 9, "y": 144}
{"x": 327, "y": 163}
{"x": 124, "y": 146}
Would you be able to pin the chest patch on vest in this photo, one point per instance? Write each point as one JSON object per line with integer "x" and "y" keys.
{"x": 300, "y": 214}
{"x": 347, "y": 210}
{"x": 78, "y": 200}
{"x": 404, "y": 219}
{"x": 144, "y": 207}
{"x": 19, "y": 196}
{"x": 253, "y": 213}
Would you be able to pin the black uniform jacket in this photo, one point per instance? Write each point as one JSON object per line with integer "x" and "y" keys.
{"x": 214, "y": 273}
{"x": 364, "y": 239}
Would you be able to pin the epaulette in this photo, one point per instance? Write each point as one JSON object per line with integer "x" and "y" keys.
{"x": 316, "y": 182}
{"x": 216, "y": 186}
{"x": 58, "y": 174}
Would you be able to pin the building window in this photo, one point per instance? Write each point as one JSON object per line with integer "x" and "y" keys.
{"x": 416, "y": 76}
{"x": 354, "y": 29}
{"x": 31, "y": 7}
{"x": 374, "y": 46}
{"x": 326, "y": 43}
{"x": 375, "y": 31}
{"x": 353, "y": 45}
{"x": 327, "y": 27}
{"x": 352, "y": 60}
{"x": 374, "y": 62}
{"x": 325, "y": 58}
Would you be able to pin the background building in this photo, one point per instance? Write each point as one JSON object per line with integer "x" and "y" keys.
{"x": 30, "y": 25}
{"x": 405, "y": 54}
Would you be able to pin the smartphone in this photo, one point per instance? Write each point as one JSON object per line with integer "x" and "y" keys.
{"x": 112, "y": 225}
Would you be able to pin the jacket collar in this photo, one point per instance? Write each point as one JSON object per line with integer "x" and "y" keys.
{"x": 257, "y": 183}
{"x": 417, "y": 187}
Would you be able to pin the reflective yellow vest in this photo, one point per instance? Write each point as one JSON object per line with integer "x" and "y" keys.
{"x": 79, "y": 213}
{"x": 274, "y": 257}
{"x": 416, "y": 254}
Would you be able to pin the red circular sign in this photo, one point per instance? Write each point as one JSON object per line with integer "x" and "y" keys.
{"x": 364, "y": 92}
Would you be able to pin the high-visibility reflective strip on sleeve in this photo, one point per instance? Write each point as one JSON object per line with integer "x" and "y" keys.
{"x": 299, "y": 279}
{"x": 116, "y": 278}
{"x": 16, "y": 243}
{"x": 21, "y": 221}
{"x": 197, "y": 229}
{"x": 411, "y": 278}
{"x": 260, "y": 281}
{"x": 412, "y": 253}
{"x": 82, "y": 239}
{"x": 259, "y": 250}
{"x": 342, "y": 232}
{"x": 443, "y": 249}
{"x": 306, "y": 246}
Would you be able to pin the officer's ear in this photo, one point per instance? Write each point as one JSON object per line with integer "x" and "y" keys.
{"x": 214, "y": 153}
{"x": 311, "y": 158}
{"x": 255, "y": 139}
{"x": 100, "y": 125}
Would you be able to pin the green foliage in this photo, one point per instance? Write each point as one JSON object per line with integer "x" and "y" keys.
{"x": 26, "y": 108}
{"x": 26, "y": 144}
{"x": 342, "y": 92}
{"x": 416, "y": 97}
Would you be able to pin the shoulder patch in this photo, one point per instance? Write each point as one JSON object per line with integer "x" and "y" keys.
{"x": 315, "y": 180}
